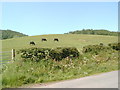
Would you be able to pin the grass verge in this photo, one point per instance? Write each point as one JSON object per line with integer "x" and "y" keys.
{"x": 29, "y": 72}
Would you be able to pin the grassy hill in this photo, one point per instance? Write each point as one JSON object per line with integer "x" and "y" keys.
{"x": 6, "y": 34}
{"x": 23, "y": 73}
{"x": 65, "y": 40}
{"x": 94, "y": 32}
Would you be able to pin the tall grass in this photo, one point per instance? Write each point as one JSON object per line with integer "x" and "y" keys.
{"x": 21, "y": 73}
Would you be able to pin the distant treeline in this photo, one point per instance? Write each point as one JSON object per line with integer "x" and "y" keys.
{"x": 93, "y": 32}
{"x": 6, "y": 34}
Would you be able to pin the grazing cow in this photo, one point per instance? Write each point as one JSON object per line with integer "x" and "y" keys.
{"x": 56, "y": 39}
{"x": 43, "y": 39}
{"x": 32, "y": 43}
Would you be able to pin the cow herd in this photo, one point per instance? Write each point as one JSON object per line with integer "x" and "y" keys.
{"x": 43, "y": 39}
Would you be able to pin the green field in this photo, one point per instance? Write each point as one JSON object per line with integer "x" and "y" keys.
{"x": 20, "y": 73}
{"x": 65, "y": 40}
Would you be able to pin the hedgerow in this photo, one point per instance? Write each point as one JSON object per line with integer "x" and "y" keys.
{"x": 95, "y": 48}
{"x": 115, "y": 46}
{"x": 37, "y": 54}
{"x": 34, "y": 54}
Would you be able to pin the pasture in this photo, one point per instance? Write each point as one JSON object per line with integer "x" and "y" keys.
{"x": 65, "y": 40}
{"x": 23, "y": 73}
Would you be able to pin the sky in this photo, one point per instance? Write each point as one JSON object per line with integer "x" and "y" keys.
{"x": 38, "y": 18}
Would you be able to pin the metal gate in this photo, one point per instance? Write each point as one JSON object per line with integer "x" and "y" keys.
{"x": 7, "y": 56}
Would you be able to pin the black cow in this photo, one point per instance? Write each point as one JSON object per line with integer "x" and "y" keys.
{"x": 56, "y": 39}
{"x": 43, "y": 39}
{"x": 32, "y": 43}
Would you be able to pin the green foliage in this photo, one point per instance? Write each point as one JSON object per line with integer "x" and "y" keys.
{"x": 56, "y": 54}
{"x": 101, "y": 44}
{"x": 72, "y": 52}
{"x": 6, "y": 34}
{"x": 34, "y": 54}
{"x": 20, "y": 73}
{"x": 60, "y": 53}
{"x": 115, "y": 46}
{"x": 65, "y": 40}
{"x": 95, "y": 48}
{"x": 37, "y": 54}
{"x": 94, "y": 32}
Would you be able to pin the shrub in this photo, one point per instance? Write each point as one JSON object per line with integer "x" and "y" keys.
{"x": 101, "y": 44}
{"x": 56, "y": 54}
{"x": 115, "y": 46}
{"x": 60, "y": 53}
{"x": 95, "y": 48}
{"x": 70, "y": 52}
{"x": 37, "y": 54}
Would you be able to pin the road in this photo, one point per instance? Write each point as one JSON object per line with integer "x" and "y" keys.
{"x": 104, "y": 80}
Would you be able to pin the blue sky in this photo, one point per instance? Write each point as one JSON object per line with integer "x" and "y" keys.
{"x": 37, "y": 18}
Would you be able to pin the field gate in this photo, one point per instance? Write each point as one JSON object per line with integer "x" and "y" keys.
{"x": 7, "y": 56}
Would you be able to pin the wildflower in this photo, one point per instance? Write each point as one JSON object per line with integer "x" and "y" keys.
{"x": 79, "y": 67}
{"x": 85, "y": 73}
{"x": 65, "y": 65}
{"x": 32, "y": 69}
{"x": 73, "y": 67}
{"x": 84, "y": 62}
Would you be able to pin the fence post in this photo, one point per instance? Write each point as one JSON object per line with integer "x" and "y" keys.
{"x": 13, "y": 54}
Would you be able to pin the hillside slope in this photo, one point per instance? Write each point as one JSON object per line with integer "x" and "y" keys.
{"x": 23, "y": 73}
{"x": 65, "y": 40}
{"x": 6, "y": 34}
{"x": 94, "y": 32}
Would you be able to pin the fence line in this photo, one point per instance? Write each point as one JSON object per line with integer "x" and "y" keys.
{"x": 4, "y": 60}
{"x": 11, "y": 56}
{"x": 4, "y": 55}
{"x": 5, "y": 52}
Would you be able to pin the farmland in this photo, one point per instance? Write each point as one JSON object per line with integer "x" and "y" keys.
{"x": 65, "y": 40}
{"x": 48, "y": 70}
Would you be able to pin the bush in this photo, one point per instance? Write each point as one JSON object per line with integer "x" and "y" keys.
{"x": 37, "y": 54}
{"x": 95, "y": 48}
{"x": 60, "y": 53}
{"x": 70, "y": 52}
{"x": 56, "y": 54}
{"x": 115, "y": 46}
{"x": 101, "y": 44}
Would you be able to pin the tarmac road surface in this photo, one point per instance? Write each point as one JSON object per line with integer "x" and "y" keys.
{"x": 104, "y": 80}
